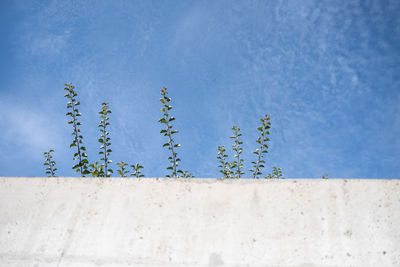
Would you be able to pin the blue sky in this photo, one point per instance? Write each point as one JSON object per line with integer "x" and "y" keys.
{"x": 327, "y": 72}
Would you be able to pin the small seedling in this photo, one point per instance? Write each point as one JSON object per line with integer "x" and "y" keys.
{"x": 276, "y": 173}
{"x": 80, "y": 155}
{"x": 49, "y": 163}
{"x": 137, "y": 170}
{"x": 238, "y": 163}
{"x": 122, "y": 171}
{"x": 96, "y": 170}
{"x": 187, "y": 174}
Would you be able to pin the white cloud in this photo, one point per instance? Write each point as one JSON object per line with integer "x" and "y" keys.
{"x": 29, "y": 129}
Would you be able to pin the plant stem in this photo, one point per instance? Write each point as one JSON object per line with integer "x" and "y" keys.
{"x": 238, "y": 157}
{"x": 76, "y": 137}
{"x": 105, "y": 150}
{"x": 171, "y": 145}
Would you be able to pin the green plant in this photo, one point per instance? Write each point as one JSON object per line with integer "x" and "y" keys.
{"x": 187, "y": 174}
{"x": 262, "y": 139}
{"x": 50, "y": 169}
{"x": 168, "y": 132}
{"x": 238, "y": 163}
{"x": 122, "y": 171}
{"x": 325, "y": 176}
{"x": 224, "y": 165}
{"x": 96, "y": 170}
{"x": 104, "y": 139}
{"x": 276, "y": 173}
{"x": 80, "y": 155}
{"x": 136, "y": 170}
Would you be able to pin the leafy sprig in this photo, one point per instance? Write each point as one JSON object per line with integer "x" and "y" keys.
{"x": 137, "y": 172}
{"x": 50, "y": 163}
{"x": 169, "y": 132}
{"x": 80, "y": 155}
{"x": 276, "y": 173}
{"x": 224, "y": 165}
{"x": 187, "y": 174}
{"x": 262, "y": 139}
{"x": 96, "y": 170}
{"x": 238, "y": 162}
{"x": 104, "y": 139}
{"x": 122, "y": 171}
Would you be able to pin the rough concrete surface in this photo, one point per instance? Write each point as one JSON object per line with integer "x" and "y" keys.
{"x": 199, "y": 222}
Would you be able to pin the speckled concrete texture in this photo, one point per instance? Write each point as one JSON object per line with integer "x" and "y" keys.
{"x": 199, "y": 222}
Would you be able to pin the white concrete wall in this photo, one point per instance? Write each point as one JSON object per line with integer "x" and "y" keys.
{"x": 199, "y": 222}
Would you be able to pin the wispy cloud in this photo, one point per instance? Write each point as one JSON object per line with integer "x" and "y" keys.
{"x": 29, "y": 129}
{"x": 48, "y": 44}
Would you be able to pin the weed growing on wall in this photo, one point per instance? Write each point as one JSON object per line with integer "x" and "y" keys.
{"x": 105, "y": 140}
{"x": 224, "y": 165}
{"x": 169, "y": 132}
{"x": 96, "y": 169}
{"x": 276, "y": 173}
{"x": 137, "y": 172}
{"x": 80, "y": 155}
{"x": 262, "y": 141}
{"x": 238, "y": 162}
{"x": 123, "y": 172}
{"x": 49, "y": 163}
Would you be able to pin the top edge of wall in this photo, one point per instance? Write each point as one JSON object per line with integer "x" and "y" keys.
{"x": 210, "y": 180}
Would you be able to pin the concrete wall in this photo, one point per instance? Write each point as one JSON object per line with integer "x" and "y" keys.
{"x": 199, "y": 222}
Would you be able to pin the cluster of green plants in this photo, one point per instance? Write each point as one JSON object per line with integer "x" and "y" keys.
{"x": 99, "y": 168}
{"x": 102, "y": 167}
{"x": 235, "y": 168}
